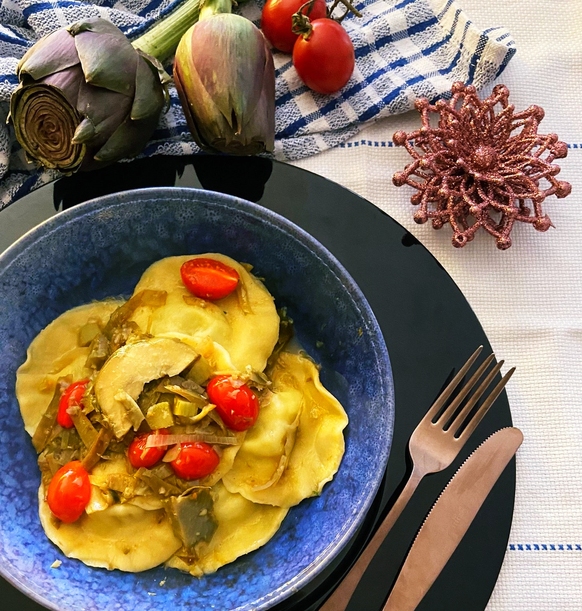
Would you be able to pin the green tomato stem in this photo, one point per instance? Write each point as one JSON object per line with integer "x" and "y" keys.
{"x": 162, "y": 39}
{"x": 301, "y": 24}
{"x": 350, "y": 8}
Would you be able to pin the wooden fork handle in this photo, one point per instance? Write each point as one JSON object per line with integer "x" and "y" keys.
{"x": 341, "y": 596}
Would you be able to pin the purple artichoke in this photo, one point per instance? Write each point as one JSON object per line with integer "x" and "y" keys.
{"x": 225, "y": 78}
{"x": 86, "y": 98}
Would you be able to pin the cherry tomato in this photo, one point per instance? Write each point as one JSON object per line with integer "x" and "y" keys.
{"x": 69, "y": 492}
{"x": 209, "y": 278}
{"x": 325, "y": 59}
{"x": 141, "y": 456}
{"x": 71, "y": 397}
{"x": 236, "y": 403}
{"x": 195, "y": 460}
{"x": 276, "y": 20}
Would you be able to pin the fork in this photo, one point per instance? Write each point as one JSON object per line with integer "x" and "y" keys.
{"x": 433, "y": 446}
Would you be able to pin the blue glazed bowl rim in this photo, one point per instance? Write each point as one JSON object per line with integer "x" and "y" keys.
{"x": 261, "y": 214}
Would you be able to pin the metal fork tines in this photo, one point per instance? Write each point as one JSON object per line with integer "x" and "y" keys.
{"x": 433, "y": 446}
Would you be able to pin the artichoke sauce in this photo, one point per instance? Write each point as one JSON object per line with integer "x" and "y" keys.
{"x": 147, "y": 362}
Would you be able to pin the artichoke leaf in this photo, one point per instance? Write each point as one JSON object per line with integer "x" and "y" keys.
{"x": 128, "y": 140}
{"x": 149, "y": 98}
{"x": 237, "y": 38}
{"x": 265, "y": 107}
{"x": 106, "y": 109}
{"x": 85, "y": 131}
{"x": 205, "y": 118}
{"x": 67, "y": 82}
{"x": 109, "y": 62}
{"x": 96, "y": 25}
{"x": 50, "y": 54}
{"x": 185, "y": 102}
{"x": 47, "y": 422}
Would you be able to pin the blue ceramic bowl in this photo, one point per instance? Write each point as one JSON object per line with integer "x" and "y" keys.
{"x": 99, "y": 249}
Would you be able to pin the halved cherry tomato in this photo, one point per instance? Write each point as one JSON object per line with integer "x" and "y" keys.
{"x": 236, "y": 403}
{"x": 195, "y": 460}
{"x": 324, "y": 58}
{"x": 276, "y": 20}
{"x": 208, "y": 278}
{"x": 69, "y": 492}
{"x": 141, "y": 456}
{"x": 71, "y": 397}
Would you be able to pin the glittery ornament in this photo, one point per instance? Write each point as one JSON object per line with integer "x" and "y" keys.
{"x": 479, "y": 165}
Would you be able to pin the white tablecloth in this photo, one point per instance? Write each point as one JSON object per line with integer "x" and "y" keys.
{"x": 528, "y": 298}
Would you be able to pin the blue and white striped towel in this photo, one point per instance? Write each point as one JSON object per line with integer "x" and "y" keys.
{"x": 405, "y": 49}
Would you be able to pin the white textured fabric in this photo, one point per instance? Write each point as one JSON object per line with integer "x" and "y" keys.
{"x": 528, "y": 298}
{"x": 404, "y": 49}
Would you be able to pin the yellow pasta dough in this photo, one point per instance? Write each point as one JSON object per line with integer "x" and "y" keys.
{"x": 245, "y": 322}
{"x": 243, "y": 526}
{"x": 292, "y": 450}
{"x": 300, "y": 426}
{"x": 55, "y": 353}
{"x": 123, "y": 536}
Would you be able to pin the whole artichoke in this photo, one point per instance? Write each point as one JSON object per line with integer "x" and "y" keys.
{"x": 225, "y": 78}
{"x": 86, "y": 98}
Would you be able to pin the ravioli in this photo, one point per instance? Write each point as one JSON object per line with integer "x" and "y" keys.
{"x": 55, "y": 353}
{"x": 243, "y": 526}
{"x": 245, "y": 322}
{"x": 123, "y": 536}
{"x": 131, "y": 522}
{"x": 297, "y": 443}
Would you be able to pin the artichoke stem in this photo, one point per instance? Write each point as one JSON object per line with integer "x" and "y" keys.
{"x": 162, "y": 39}
{"x": 209, "y": 8}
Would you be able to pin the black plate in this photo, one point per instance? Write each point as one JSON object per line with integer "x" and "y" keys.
{"x": 430, "y": 330}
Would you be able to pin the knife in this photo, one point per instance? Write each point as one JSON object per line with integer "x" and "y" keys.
{"x": 450, "y": 518}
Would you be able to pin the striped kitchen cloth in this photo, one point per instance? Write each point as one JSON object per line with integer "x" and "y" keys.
{"x": 404, "y": 49}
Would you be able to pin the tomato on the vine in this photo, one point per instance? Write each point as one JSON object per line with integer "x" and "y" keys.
{"x": 208, "y": 278}
{"x": 71, "y": 397}
{"x": 195, "y": 460}
{"x": 69, "y": 492}
{"x": 276, "y": 20}
{"x": 324, "y": 56}
{"x": 140, "y": 455}
{"x": 236, "y": 403}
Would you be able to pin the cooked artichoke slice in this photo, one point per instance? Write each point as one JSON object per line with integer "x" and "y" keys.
{"x": 129, "y": 368}
{"x": 192, "y": 517}
{"x": 242, "y": 527}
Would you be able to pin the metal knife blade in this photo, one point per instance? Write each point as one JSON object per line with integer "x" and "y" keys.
{"x": 450, "y": 518}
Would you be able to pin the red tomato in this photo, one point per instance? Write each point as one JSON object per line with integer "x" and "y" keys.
{"x": 276, "y": 20}
{"x": 71, "y": 397}
{"x": 236, "y": 403}
{"x": 69, "y": 492}
{"x": 141, "y": 456}
{"x": 325, "y": 59}
{"x": 195, "y": 460}
{"x": 208, "y": 278}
